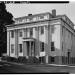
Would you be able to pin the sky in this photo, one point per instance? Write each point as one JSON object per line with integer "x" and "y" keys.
{"x": 19, "y": 10}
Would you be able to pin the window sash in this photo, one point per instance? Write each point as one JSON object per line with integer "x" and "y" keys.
{"x": 12, "y": 34}
{"x": 52, "y": 46}
{"x": 42, "y": 46}
{"x": 12, "y": 48}
{"x": 31, "y": 32}
{"x": 20, "y": 33}
{"x": 20, "y": 47}
{"x": 52, "y": 59}
{"x": 42, "y": 30}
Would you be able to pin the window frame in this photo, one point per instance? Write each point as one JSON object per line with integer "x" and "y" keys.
{"x": 31, "y": 32}
{"x": 20, "y": 48}
{"x": 12, "y": 48}
{"x": 52, "y": 59}
{"x": 42, "y": 46}
{"x": 42, "y": 30}
{"x": 52, "y": 46}
{"x": 20, "y": 33}
{"x": 12, "y": 33}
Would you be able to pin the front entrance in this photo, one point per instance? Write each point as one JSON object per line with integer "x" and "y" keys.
{"x": 29, "y": 48}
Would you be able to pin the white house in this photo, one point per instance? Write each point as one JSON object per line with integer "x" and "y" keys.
{"x": 47, "y": 36}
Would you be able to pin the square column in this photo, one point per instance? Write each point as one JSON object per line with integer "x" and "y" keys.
{"x": 30, "y": 48}
{"x": 16, "y": 43}
{"x": 24, "y": 48}
{"x": 8, "y": 43}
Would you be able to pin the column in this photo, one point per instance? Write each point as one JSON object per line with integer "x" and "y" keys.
{"x": 47, "y": 43}
{"x": 24, "y": 49}
{"x": 30, "y": 48}
{"x": 8, "y": 43}
{"x": 16, "y": 43}
{"x": 37, "y": 43}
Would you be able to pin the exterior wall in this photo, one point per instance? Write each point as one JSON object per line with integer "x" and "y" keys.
{"x": 56, "y": 31}
{"x": 12, "y": 41}
{"x": 20, "y": 41}
{"x": 73, "y": 46}
{"x": 67, "y": 43}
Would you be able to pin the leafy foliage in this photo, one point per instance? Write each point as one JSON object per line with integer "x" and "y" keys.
{"x": 5, "y": 19}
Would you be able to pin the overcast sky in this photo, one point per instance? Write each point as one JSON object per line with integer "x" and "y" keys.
{"x": 19, "y": 10}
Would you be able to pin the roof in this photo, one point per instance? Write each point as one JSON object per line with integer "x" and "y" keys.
{"x": 33, "y": 15}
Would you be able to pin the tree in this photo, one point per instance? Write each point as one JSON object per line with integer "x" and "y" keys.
{"x": 5, "y": 19}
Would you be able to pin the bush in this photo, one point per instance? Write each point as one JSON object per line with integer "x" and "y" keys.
{"x": 22, "y": 59}
{"x": 11, "y": 59}
{"x": 33, "y": 60}
{"x": 4, "y": 58}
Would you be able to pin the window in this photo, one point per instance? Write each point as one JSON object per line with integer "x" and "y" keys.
{"x": 41, "y": 17}
{"x": 12, "y": 48}
{"x": 52, "y": 59}
{"x": 12, "y": 34}
{"x": 30, "y": 19}
{"x": 31, "y": 32}
{"x": 52, "y": 46}
{"x": 20, "y": 47}
{"x": 42, "y": 46}
{"x": 52, "y": 29}
{"x": 20, "y": 33}
{"x": 42, "y": 30}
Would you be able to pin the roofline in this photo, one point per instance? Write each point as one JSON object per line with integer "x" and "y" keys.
{"x": 33, "y": 15}
{"x": 67, "y": 17}
{"x": 32, "y": 22}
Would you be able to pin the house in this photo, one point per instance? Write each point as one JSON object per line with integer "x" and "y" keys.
{"x": 47, "y": 36}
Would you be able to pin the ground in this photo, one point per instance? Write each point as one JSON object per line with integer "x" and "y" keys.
{"x": 6, "y": 67}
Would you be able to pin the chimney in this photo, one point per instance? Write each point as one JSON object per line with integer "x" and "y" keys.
{"x": 54, "y": 13}
{"x": 29, "y": 14}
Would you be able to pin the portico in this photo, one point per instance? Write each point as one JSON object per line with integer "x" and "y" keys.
{"x": 28, "y": 47}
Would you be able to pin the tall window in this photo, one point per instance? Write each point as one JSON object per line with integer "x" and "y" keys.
{"x": 52, "y": 59}
{"x": 42, "y": 30}
{"x": 12, "y": 34}
{"x": 52, "y": 46}
{"x": 12, "y": 48}
{"x": 20, "y": 33}
{"x": 31, "y": 32}
{"x": 52, "y": 29}
{"x": 41, "y": 17}
{"x": 20, "y": 47}
{"x": 42, "y": 46}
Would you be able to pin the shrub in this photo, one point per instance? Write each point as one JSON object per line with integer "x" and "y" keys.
{"x": 4, "y": 58}
{"x": 22, "y": 59}
{"x": 7, "y": 58}
{"x": 33, "y": 60}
